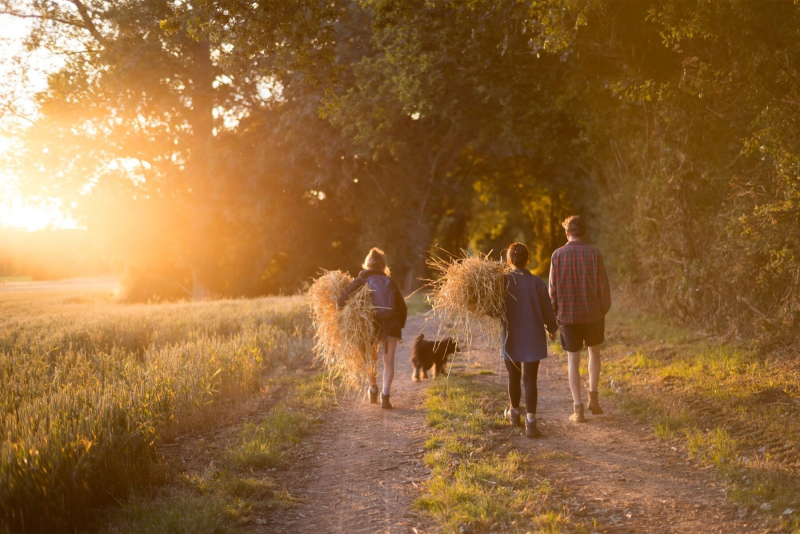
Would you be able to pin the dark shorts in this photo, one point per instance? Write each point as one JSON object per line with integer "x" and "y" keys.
{"x": 389, "y": 328}
{"x": 575, "y": 336}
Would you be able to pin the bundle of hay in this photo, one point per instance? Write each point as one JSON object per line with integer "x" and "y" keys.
{"x": 470, "y": 294}
{"x": 343, "y": 339}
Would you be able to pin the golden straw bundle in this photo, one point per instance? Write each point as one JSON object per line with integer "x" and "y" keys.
{"x": 343, "y": 339}
{"x": 470, "y": 293}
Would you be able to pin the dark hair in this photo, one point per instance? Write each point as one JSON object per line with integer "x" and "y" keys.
{"x": 376, "y": 261}
{"x": 518, "y": 255}
{"x": 575, "y": 226}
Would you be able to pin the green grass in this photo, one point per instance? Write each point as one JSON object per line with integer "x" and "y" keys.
{"x": 175, "y": 515}
{"x": 238, "y": 488}
{"x": 7, "y": 279}
{"x": 478, "y": 482}
{"x": 728, "y": 406}
{"x": 417, "y": 303}
{"x": 266, "y": 444}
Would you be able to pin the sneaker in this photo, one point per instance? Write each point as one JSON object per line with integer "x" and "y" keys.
{"x": 512, "y": 415}
{"x": 530, "y": 429}
{"x": 385, "y": 402}
{"x": 373, "y": 395}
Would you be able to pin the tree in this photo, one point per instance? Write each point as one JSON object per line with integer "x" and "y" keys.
{"x": 697, "y": 104}
{"x": 134, "y": 114}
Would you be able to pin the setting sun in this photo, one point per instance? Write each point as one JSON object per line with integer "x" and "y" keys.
{"x": 33, "y": 213}
{"x": 392, "y": 266}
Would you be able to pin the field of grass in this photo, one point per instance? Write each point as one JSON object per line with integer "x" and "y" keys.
{"x": 237, "y": 486}
{"x": 479, "y": 481}
{"x": 8, "y": 279}
{"x": 730, "y": 406}
{"x": 90, "y": 388}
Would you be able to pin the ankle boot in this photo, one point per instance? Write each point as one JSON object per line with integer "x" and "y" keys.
{"x": 594, "y": 405}
{"x": 577, "y": 414}
{"x": 373, "y": 395}
{"x": 512, "y": 414}
{"x": 385, "y": 402}
{"x": 530, "y": 429}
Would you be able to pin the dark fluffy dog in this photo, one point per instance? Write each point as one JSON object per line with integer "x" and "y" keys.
{"x": 427, "y": 354}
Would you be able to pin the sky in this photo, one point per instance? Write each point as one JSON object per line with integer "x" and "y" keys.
{"x": 17, "y": 211}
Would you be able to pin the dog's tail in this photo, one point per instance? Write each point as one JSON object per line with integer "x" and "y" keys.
{"x": 418, "y": 342}
{"x": 416, "y": 348}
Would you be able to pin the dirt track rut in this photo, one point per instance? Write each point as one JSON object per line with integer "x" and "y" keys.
{"x": 614, "y": 470}
{"x": 364, "y": 464}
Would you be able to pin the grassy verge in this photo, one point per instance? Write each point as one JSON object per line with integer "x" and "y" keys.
{"x": 239, "y": 485}
{"x": 417, "y": 304}
{"x": 479, "y": 481}
{"x": 89, "y": 391}
{"x": 728, "y": 406}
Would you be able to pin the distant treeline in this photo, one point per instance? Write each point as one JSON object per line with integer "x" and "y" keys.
{"x": 237, "y": 148}
{"x": 51, "y": 254}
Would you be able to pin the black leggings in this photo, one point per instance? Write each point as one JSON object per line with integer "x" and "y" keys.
{"x": 527, "y": 372}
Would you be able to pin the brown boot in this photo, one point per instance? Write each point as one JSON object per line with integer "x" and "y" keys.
{"x": 577, "y": 414}
{"x": 512, "y": 415}
{"x": 530, "y": 429}
{"x": 594, "y": 405}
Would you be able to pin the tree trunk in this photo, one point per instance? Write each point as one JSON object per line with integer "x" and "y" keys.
{"x": 200, "y": 205}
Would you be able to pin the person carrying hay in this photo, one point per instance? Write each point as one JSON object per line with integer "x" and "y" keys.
{"x": 524, "y": 341}
{"x": 390, "y": 318}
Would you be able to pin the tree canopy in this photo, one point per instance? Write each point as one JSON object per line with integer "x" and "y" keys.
{"x": 238, "y": 147}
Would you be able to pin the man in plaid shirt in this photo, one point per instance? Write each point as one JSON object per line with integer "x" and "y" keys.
{"x": 581, "y": 298}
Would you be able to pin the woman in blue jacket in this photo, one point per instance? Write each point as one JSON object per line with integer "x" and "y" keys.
{"x": 528, "y": 311}
{"x": 390, "y": 325}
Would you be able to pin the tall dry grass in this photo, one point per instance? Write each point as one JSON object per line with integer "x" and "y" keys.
{"x": 88, "y": 389}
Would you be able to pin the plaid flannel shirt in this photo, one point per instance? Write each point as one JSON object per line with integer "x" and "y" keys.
{"x": 579, "y": 287}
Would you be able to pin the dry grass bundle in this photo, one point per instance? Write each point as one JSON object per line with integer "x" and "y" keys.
{"x": 343, "y": 339}
{"x": 470, "y": 294}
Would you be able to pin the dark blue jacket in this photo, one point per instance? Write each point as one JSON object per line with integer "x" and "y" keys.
{"x": 528, "y": 310}
{"x": 392, "y": 327}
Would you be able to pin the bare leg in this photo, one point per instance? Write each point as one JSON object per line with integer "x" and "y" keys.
{"x": 389, "y": 348}
{"x": 594, "y": 368}
{"x": 373, "y": 374}
{"x": 575, "y": 376}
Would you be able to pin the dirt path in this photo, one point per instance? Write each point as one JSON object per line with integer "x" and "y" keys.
{"x": 362, "y": 467}
{"x": 617, "y": 472}
{"x": 361, "y": 470}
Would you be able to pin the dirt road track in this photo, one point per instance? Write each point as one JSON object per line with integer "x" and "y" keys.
{"x": 362, "y": 468}
{"x": 616, "y": 471}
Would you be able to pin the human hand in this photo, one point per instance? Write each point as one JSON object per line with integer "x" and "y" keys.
{"x": 552, "y": 336}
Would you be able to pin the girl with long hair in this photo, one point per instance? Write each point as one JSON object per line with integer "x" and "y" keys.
{"x": 390, "y": 316}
